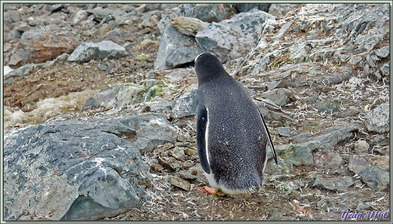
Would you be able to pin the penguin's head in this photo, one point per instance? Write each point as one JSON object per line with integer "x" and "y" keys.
{"x": 207, "y": 67}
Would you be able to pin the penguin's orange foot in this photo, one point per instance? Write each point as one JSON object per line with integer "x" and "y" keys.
{"x": 211, "y": 190}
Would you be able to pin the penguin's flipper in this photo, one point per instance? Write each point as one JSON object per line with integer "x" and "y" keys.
{"x": 270, "y": 139}
{"x": 202, "y": 124}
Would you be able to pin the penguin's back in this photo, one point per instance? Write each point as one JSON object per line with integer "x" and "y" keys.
{"x": 236, "y": 137}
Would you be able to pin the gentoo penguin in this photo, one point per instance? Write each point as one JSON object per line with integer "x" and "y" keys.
{"x": 231, "y": 133}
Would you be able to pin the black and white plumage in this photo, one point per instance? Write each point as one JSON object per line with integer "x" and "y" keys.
{"x": 231, "y": 133}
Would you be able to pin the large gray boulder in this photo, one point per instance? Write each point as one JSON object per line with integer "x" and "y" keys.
{"x": 82, "y": 169}
{"x": 176, "y": 49}
{"x": 235, "y": 37}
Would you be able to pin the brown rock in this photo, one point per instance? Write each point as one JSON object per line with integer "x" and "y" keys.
{"x": 188, "y": 26}
{"x": 44, "y": 44}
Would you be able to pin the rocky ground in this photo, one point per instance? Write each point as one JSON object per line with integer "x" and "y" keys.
{"x": 318, "y": 73}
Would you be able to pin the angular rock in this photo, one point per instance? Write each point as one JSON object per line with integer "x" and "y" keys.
{"x": 383, "y": 52}
{"x": 11, "y": 16}
{"x": 300, "y": 154}
{"x": 279, "y": 96}
{"x": 79, "y": 17}
{"x": 13, "y": 34}
{"x": 169, "y": 163}
{"x": 385, "y": 71}
{"x": 179, "y": 182}
{"x": 343, "y": 74}
{"x": 293, "y": 155}
{"x": 97, "y": 51}
{"x": 271, "y": 115}
{"x": 377, "y": 120}
{"x": 375, "y": 178}
{"x": 116, "y": 96}
{"x": 153, "y": 129}
{"x": 233, "y": 38}
{"x": 176, "y": 49}
{"x": 18, "y": 73}
{"x": 242, "y": 7}
{"x": 328, "y": 106}
{"x": 286, "y": 131}
{"x": 358, "y": 163}
{"x": 7, "y": 70}
{"x": 359, "y": 22}
{"x": 188, "y": 26}
{"x": 206, "y": 12}
{"x": 280, "y": 10}
{"x": 302, "y": 137}
{"x": 185, "y": 106}
{"x": 42, "y": 44}
{"x": 73, "y": 170}
{"x": 339, "y": 184}
{"x": 328, "y": 160}
{"x": 326, "y": 142}
{"x": 150, "y": 22}
{"x": 361, "y": 147}
{"x": 192, "y": 152}
{"x": 178, "y": 153}
{"x": 194, "y": 173}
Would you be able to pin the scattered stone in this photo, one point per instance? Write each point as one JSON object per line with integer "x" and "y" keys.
{"x": 13, "y": 34}
{"x": 339, "y": 184}
{"x": 383, "y": 52}
{"x": 188, "y": 26}
{"x": 192, "y": 152}
{"x": 185, "y": 106}
{"x": 149, "y": 20}
{"x": 378, "y": 119}
{"x": 380, "y": 161}
{"x": 79, "y": 16}
{"x": 169, "y": 163}
{"x": 194, "y": 173}
{"x": 328, "y": 160}
{"x": 385, "y": 70}
{"x": 361, "y": 147}
{"x": 326, "y": 142}
{"x": 355, "y": 59}
{"x": 179, "y": 182}
{"x": 241, "y": 7}
{"x": 358, "y": 163}
{"x": 116, "y": 96}
{"x": 206, "y": 12}
{"x": 11, "y": 16}
{"x": 375, "y": 178}
{"x": 183, "y": 137}
{"x": 302, "y": 137}
{"x": 97, "y": 51}
{"x": 364, "y": 208}
{"x": 328, "y": 106}
{"x": 154, "y": 130}
{"x": 294, "y": 155}
{"x": 324, "y": 203}
{"x": 178, "y": 153}
{"x": 279, "y": 96}
{"x": 17, "y": 74}
{"x": 286, "y": 131}
{"x": 280, "y": 10}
